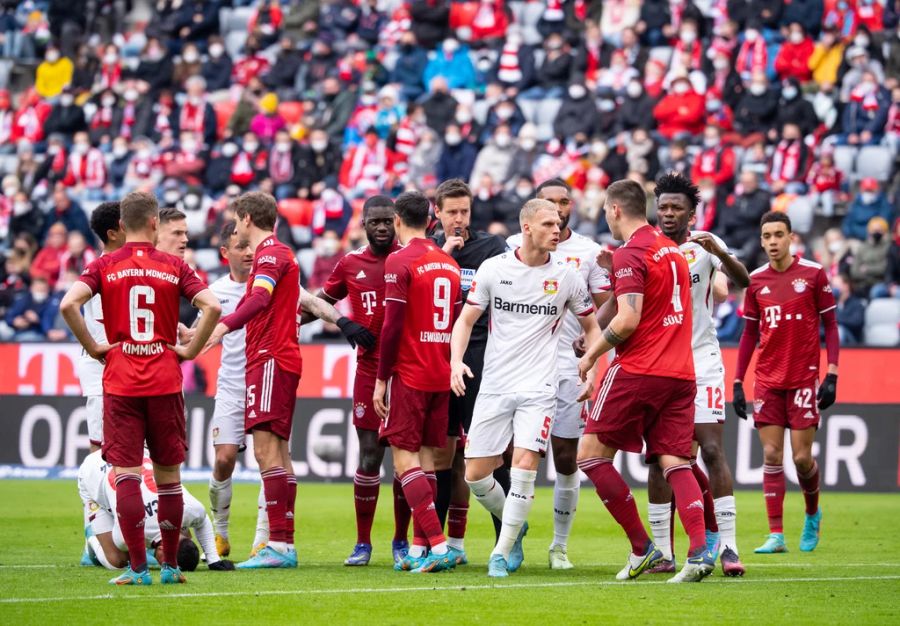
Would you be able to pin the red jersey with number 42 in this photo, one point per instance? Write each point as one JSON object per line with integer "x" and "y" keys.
{"x": 140, "y": 289}
{"x": 650, "y": 264}
{"x": 274, "y": 332}
{"x": 787, "y": 306}
{"x": 360, "y": 275}
{"x": 427, "y": 279}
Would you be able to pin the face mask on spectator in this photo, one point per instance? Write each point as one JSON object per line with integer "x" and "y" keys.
{"x": 131, "y": 95}
{"x": 318, "y": 146}
{"x": 81, "y": 148}
{"x": 634, "y": 89}
{"x": 527, "y": 144}
{"x": 710, "y": 141}
{"x": 144, "y": 153}
{"x": 191, "y": 56}
{"x": 229, "y": 150}
{"x": 155, "y": 54}
{"x": 607, "y": 105}
{"x": 713, "y": 105}
{"x": 66, "y": 99}
{"x": 688, "y": 36}
{"x": 861, "y": 40}
{"x": 110, "y": 58}
{"x": 171, "y": 197}
{"x": 191, "y": 202}
{"x": 21, "y": 208}
{"x": 796, "y": 37}
{"x": 39, "y": 297}
{"x": 283, "y": 146}
{"x": 450, "y": 46}
{"x": 463, "y": 117}
{"x": 10, "y": 191}
{"x": 484, "y": 194}
{"x": 250, "y": 146}
{"x": 53, "y": 150}
{"x": 504, "y": 113}
{"x": 721, "y": 63}
{"x": 52, "y": 56}
{"x": 524, "y": 190}
{"x": 216, "y": 50}
{"x": 751, "y": 35}
{"x": 835, "y": 246}
{"x": 120, "y": 151}
{"x": 189, "y": 145}
{"x": 680, "y": 88}
{"x": 757, "y": 89}
{"x": 868, "y": 197}
{"x": 789, "y": 92}
{"x": 109, "y": 101}
{"x": 577, "y": 92}
{"x": 328, "y": 247}
{"x": 452, "y": 139}
{"x": 502, "y": 140}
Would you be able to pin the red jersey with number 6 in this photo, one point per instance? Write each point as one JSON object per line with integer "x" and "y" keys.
{"x": 427, "y": 279}
{"x": 360, "y": 275}
{"x": 140, "y": 289}
{"x": 787, "y": 306}
{"x": 650, "y": 264}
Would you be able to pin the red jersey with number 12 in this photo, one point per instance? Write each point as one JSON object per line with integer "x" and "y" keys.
{"x": 274, "y": 332}
{"x": 787, "y": 306}
{"x": 652, "y": 265}
{"x": 427, "y": 279}
{"x": 140, "y": 289}
{"x": 360, "y": 275}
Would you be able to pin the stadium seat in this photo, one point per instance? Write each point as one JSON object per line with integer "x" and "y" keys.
{"x": 529, "y": 109}
{"x": 207, "y": 259}
{"x": 874, "y": 162}
{"x": 547, "y": 110}
{"x": 224, "y": 17}
{"x": 802, "y": 213}
{"x": 224, "y": 110}
{"x": 480, "y": 111}
{"x": 531, "y": 36}
{"x": 234, "y": 42}
{"x": 663, "y": 54}
{"x": 845, "y": 160}
{"x": 238, "y": 20}
{"x": 306, "y": 257}
{"x": 296, "y": 211}
{"x": 883, "y": 311}
{"x": 462, "y": 14}
{"x": 291, "y": 112}
{"x": 517, "y": 8}
{"x": 882, "y": 335}
{"x": 8, "y": 164}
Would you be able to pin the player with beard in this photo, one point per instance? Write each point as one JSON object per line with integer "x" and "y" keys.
{"x": 469, "y": 248}
{"x": 708, "y": 259}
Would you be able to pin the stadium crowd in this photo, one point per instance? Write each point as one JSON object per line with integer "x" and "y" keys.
{"x": 767, "y": 104}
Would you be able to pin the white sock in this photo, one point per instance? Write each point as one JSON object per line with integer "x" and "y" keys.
{"x": 439, "y": 548}
{"x": 416, "y": 551}
{"x": 220, "y": 503}
{"x": 516, "y": 509}
{"x": 279, "y": 546}
{"x": 565, "y": 500}
{"x": 660, "y": 517}
{"x": 456, "y": 542}
{"x": 262, "y": 520}
{"x": 726, "y": 518}
{"x": 490, "y": 494}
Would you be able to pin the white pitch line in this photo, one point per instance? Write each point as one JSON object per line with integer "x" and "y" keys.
{"x": 375, "y": 590}
{"x": 773, "y": 565}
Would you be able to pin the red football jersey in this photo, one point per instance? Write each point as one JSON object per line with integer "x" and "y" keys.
{"x": 652, "y": 265}
{"x": 360, "y": 275}
{"x": 427, "y": 279}
{"x": 274, "y": 332}
{"x": 140, "y": 288}
{"x": 788, "y": 305}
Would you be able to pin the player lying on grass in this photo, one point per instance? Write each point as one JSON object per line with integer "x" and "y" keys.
{"x": 97, "y": 489}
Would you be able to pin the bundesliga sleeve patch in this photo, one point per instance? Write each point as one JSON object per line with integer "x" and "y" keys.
{"x": 266, "y": 282}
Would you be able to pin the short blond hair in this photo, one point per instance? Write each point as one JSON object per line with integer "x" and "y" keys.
{"x": 531, "y": 208}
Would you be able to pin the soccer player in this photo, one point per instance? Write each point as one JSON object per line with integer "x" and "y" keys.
{"x": 142, "y": 399}
{"x": 786, "y": 300}
{"x": 360, "y": 276}
{"x": 528, "y": 292}
{"x": 97, "y": 489}
{"x": 647, "y": 394}
{"x": 269, "y": 312}
{"x": 707, "y": 256}
{"x": 568, "y": 421}
{"x": 469, "y": 248}
{"x": 422, "y": 293}
{"x": 173, "y": 233}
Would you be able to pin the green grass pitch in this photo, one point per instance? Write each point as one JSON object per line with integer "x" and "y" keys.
{"x": 854, "y": 575}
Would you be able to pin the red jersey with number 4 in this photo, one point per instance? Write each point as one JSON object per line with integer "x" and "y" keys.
{"x": 360, "y": 275}
{"x": 650, "y": 264}
{"x": 274, "y": 332}
{"x": 787, "y": 306}
{"x": 427, "y": 279}
{"x": 140, "y": 289}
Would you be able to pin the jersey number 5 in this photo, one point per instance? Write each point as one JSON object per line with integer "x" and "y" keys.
{"x": 140, "y": 317}
{"x": 442, "y": 303}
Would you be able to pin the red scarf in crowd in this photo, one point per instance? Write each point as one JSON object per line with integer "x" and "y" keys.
{"x": 192, "y": 117}
{"x": 6, "y": 125}
{"x": 281, "y": 166}
{"x": 110, "y": 75}
{"x": 554, "y": 11}
{"x": 752, "y": 57}
{"x": 242, "y": 168}
{"x": 102, "y": 118}
{"x": 509, "y": 70}
{"x": 87, "y": 169}
{"x": 786, "y": 161}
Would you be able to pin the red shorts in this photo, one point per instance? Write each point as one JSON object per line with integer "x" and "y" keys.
{"x": 364, "y": 415}
{"x": 629, "y": 408}
{"x": 130, "y": 421}
{"x": 789, "y": 408}
{"x": 416, "y": 419}
{"x": 271, "y": 395}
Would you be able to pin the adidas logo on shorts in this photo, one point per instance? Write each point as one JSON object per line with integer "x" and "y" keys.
{"x": 252, "y": 414}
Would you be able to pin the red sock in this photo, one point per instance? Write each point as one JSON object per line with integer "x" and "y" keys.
{"x": 689, "y": 501}
{"x": 420, "y": 496}
{"x": 617, "y": 498}
{"x": 709, "y": 507}
{"x": 171, "y": 512}
{"x": 402, "y": 514}
{"x": 773, "y": 490}
{"x": 289, "y": 513}
{"x": 457, "y": 517}
{"x": 809, "y": 482}
{"x": 275, "y": 486}
{"x": 365, "y": 498}
{"x": 130, "y": 511}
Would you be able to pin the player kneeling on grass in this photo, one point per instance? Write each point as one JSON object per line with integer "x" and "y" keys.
{"x": 106, "y": 545}
{"x": 412, "y": 388}
{"x": 785, "y": 302}
{"x": 528, "y": 293}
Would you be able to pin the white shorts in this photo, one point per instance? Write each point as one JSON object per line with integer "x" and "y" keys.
{"x": 228, "y": 422}
{"x": 93, "y": 406}
{"x": 568, "y": 423}
{"x": 709, "y": 403}
{"x": 524, "y": 418}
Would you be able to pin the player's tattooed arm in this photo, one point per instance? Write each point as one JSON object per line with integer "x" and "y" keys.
{"x": 612, "y": 337}
{"x": 307, "y": 316}
{"x": 318, "y": 307}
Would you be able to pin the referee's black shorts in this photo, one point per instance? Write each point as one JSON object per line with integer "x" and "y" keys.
{"x": 461, "y": 409}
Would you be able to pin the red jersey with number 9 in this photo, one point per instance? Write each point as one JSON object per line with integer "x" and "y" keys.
{"x": 427, "y": 279}
{"x": 140, "y": 288}
{"x": 650, "y": 264}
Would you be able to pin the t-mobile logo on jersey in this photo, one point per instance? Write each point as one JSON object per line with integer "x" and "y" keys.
{"x": 368, "y": 300}
{"x": 773, "y": 316}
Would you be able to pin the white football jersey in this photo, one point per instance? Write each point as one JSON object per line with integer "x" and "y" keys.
{"x": 580, "y": 252}
{"x": 527, "y": 306}
{"x": 703, "y": 267}
{"x": 89, "y": 370}
{"x": 232, "y": 370}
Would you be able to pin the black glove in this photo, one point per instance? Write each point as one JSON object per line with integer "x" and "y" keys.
{"x": 222, "y": 566}
{"x": 356, "y": 334}
{"x": 739, "y": 401}
{"x": 827, "y": 391}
